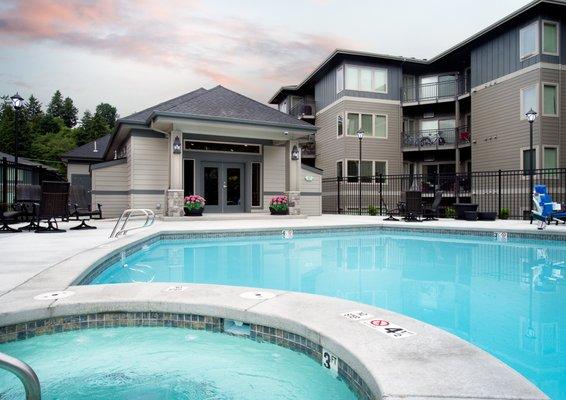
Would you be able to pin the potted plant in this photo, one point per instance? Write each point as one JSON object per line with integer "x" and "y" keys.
{"x": 504, "y": 213}
{"x": 450, "y": 212}
{"x": 194, "y": 205}
{"x": 279, "y": 205}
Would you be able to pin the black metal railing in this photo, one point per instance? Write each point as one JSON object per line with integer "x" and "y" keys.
{"x": 303, "y": 109}
{"x": 436, "y": 138}
{"x": 434, "y": 91}
{"x": 308, "y": 149}
{"x": 27, "y": 175}
{"x": 491, "y": 190}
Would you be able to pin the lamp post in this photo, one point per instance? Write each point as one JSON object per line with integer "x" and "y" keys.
{"x": 360, "y": 134}
{"x": 18, "y": 103}
{"x": 531, "y": 117}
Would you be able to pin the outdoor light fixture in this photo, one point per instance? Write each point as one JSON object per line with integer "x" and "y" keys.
{"x": 295, "y": 153}
{"x": 531, "y": 116}
{"x": 17, "y": 101}
{"x": 177, "y": 145}
{"x": 360, "y": 134}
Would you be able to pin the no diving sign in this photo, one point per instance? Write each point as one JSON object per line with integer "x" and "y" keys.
{"x": 388, "y": 328}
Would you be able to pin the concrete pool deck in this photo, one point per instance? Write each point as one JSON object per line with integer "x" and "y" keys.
{"x": 431, "y": 364}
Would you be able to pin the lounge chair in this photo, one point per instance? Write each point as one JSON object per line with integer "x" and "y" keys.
{"x": 54, "y": 204}
{"x": 545, "y": 210}
{"x": 28, "y": 198}
{"x": 414, "y": 210}
{"x": 7, "y": 218}
{"x": 431, "y": 213}
{"x": 400, "y": 210}
{"x": 81, "y": 208}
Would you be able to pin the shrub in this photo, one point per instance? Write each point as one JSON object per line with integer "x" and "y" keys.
{"x": 504, "y": 213}
{"x": 279, "y": 203}
{"x": 372, "y": 210}
{"x": 450, "y": 212}
{"x": 194, "y": 202}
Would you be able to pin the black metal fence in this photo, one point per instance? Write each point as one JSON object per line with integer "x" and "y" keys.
{"x": 27, "y": 175}
{"x": 491, "y": 190}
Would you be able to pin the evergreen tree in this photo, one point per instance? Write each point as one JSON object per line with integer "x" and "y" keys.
{"x": 55, "y": 107}
{"x": 108, "y": 114}
{"x": 33, "y": 109}
{"x": 69, "y": 113}
{"x": 6, "y": 125}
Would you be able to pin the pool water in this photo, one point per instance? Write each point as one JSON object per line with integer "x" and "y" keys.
{"x": 508, "y": 298}
{"x": 167, "y": 363}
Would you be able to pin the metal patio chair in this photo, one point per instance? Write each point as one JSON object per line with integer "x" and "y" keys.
{"x": 54, "y": 204}
{"x": 81, "y": 207}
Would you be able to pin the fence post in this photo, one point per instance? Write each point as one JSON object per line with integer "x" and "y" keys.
{"x": 4, "y": 182}
{"x": 380, "y": 193}
{"x": 338, "y": 194}
{"x": 498, "y": 193}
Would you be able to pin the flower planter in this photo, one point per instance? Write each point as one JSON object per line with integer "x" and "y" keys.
{"x": 274, "y": 212}
{"x": 194, "y": 212}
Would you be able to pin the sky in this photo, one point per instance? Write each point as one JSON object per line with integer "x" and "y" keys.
{"x": 136, "y": 53}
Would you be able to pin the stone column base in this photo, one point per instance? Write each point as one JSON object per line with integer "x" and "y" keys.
{"x": 294, "y": 201}
{"x": 175, "y": 200}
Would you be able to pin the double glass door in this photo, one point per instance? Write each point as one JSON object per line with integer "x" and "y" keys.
{"x": 223, "y": 185}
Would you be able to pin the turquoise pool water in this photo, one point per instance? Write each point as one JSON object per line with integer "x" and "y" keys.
{"x": 508, "y": 298}
{"x": 167, "y": 363}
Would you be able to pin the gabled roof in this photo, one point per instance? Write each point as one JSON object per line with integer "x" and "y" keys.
{"x": 24, "y": 161}
{"x": 86, "y": 151}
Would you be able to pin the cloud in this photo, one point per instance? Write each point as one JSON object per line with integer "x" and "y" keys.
{"x": 183, "y": 35}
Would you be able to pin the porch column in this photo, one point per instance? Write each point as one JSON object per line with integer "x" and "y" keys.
{"x": 175, "y": 194}
{"x": 294, "y": 193}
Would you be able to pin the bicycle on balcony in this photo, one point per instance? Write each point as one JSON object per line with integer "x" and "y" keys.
{"x": 435, "y": 139}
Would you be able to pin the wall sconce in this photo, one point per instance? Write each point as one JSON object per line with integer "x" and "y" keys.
{"x": 177, "y": 145}
{"x": 295, "y": 153}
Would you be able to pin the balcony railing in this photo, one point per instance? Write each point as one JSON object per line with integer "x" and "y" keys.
{"x": 436, "y": 139}
{"x": 436, "y": 91}
{"x": 308, "y": 149}
{"x": 303, "y": 110}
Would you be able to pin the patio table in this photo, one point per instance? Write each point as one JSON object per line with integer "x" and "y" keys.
{"x": 461, "y": 209}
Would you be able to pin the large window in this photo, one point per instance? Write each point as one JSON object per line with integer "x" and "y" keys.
{"x": 339, "y": 125}
{"x": 550, "y": 157}
{"x": 189, "y": 177}
{"x": 550, "y": 99}
{"x": 550, "y": 38}
{"x": 528, "y": 40}
{"x": 370, "y": 170}
{"x": 339, "y": 79}
{"x": 528, "y": 100}
{"x": 256, "y": 184}
{"x": 223, "y": 147}
{"x": 527, "y": 160}
{"x": 372, "y": 125}
{"x": 366, "y": 79}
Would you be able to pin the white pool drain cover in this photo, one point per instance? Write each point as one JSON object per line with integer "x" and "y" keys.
{"x": 175, "y": 289}
{"x": 258, "y": 295}
{"x": 54, "y": 295}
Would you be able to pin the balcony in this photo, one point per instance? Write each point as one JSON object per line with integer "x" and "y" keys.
{"x": 436, "y": 139}
{"x": 308, "y": 149}
{"x": 304, "y": 110}
{"x": 435, "y": 92}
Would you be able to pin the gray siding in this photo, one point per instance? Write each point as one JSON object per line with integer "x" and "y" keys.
{"x": 325, "y": 89}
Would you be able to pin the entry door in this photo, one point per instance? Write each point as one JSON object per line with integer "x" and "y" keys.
{"x": 223, "y": 185}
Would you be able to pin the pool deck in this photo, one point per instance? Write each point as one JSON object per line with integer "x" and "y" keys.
{"x": 430, "y": 364}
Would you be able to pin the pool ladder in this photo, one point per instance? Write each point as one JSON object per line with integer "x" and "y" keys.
{"x": 125, "y": 217}
{"x": 24, "y": 373}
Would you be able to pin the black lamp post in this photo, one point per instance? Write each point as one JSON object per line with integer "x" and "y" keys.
{"x": 360, "y": 134}
{"x": 531, "y": 117}
{"x": 18, "y": 103}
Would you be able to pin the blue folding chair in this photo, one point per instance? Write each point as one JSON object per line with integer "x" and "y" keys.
{"x": 545, "y": 210}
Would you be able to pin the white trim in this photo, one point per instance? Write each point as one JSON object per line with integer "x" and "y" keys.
{"x": 557, "y": 148}
{"x": 341, "y": 67}
{"x": 556, "y": 114}
{"x": 537, "y": 156}
{"x": 338, "y": 136}
{"x": 507, "y": 77}
{"x": 557, "y": 24}
{"x": 219, "y": 142}
{"x": 522, "y": 111}
{"x": 366, "y": 135}
{"x": 358, "y": 99}
{"x": 537, "y": 38}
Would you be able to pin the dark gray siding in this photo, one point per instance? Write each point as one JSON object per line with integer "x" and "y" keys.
{"x": 325, "y": 89}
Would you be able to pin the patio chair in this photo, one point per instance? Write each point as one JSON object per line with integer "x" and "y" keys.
{"x": 431, "y": 213}
{"x": 414, "y": 206}
{"x": 545, "y": 210}
{"x": 28, "y": 197}
{"x": 7, "y": 218}
{"x": 400, "y": 210}
{"x": 54, "y": 204}
{"x": 81, "y": 207}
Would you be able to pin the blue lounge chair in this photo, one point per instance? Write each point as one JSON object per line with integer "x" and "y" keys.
{"x": 545, "y": 210}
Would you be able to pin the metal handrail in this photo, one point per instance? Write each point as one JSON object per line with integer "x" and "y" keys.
{"x": 125, "y": 217}
{"x": 24, "y": 373}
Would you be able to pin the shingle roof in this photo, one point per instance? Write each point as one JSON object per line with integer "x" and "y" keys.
{"x": 219, "y": 102}
{"x": 86, "y": 151}
{"x": 141, "y": 116}
{"x": 24, "y": 161}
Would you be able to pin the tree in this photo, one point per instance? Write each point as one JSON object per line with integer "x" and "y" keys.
{"x": 70, "y": 113}
{"x": 108, "y": 114}
{"x": 91, "y": 128}
{"x": 33, "y": 109}
{"x": 48, "y": 148}
{"x": 55, "y": 107}
{"x": 6, "y": 125}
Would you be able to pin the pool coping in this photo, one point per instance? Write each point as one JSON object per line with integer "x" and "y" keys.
{"x": 431, "y": 364}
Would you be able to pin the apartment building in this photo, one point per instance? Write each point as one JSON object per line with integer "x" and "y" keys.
{"x": 460, "y": 111}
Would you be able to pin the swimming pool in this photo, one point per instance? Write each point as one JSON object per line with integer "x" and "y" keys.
{"x": 167, "y": 363}
{"x": 505, "y": 297}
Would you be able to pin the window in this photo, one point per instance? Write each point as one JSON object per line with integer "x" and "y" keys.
{"x": 256, "y": 184}
{"x": 223, "y": 147}
{"x": 550, "y": 99}
{"x": 372, "y": 125}
{"x": 380, "y": 168}
{"x": 369, "y": 170}
{"x": 283, "y": 106}
{"x": 366, "y": 79}
{"x": 550, "y": 38}
{"x": 550, "y": 157}
{"x": 353, "y": 123}
{"x": 381, "y": 126}
{"x": 339, "y": 170}
{"x": 528, "y": 40}
{"x": 528, "y": 100}
{"x": 339, "y": 125}
{"x": 189, "y": 177}
{"x": 352, "y": 171}
{"x": 527, "y": 160}
{"x": 367, "y": 124}
{"x": 339, "y": 79}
